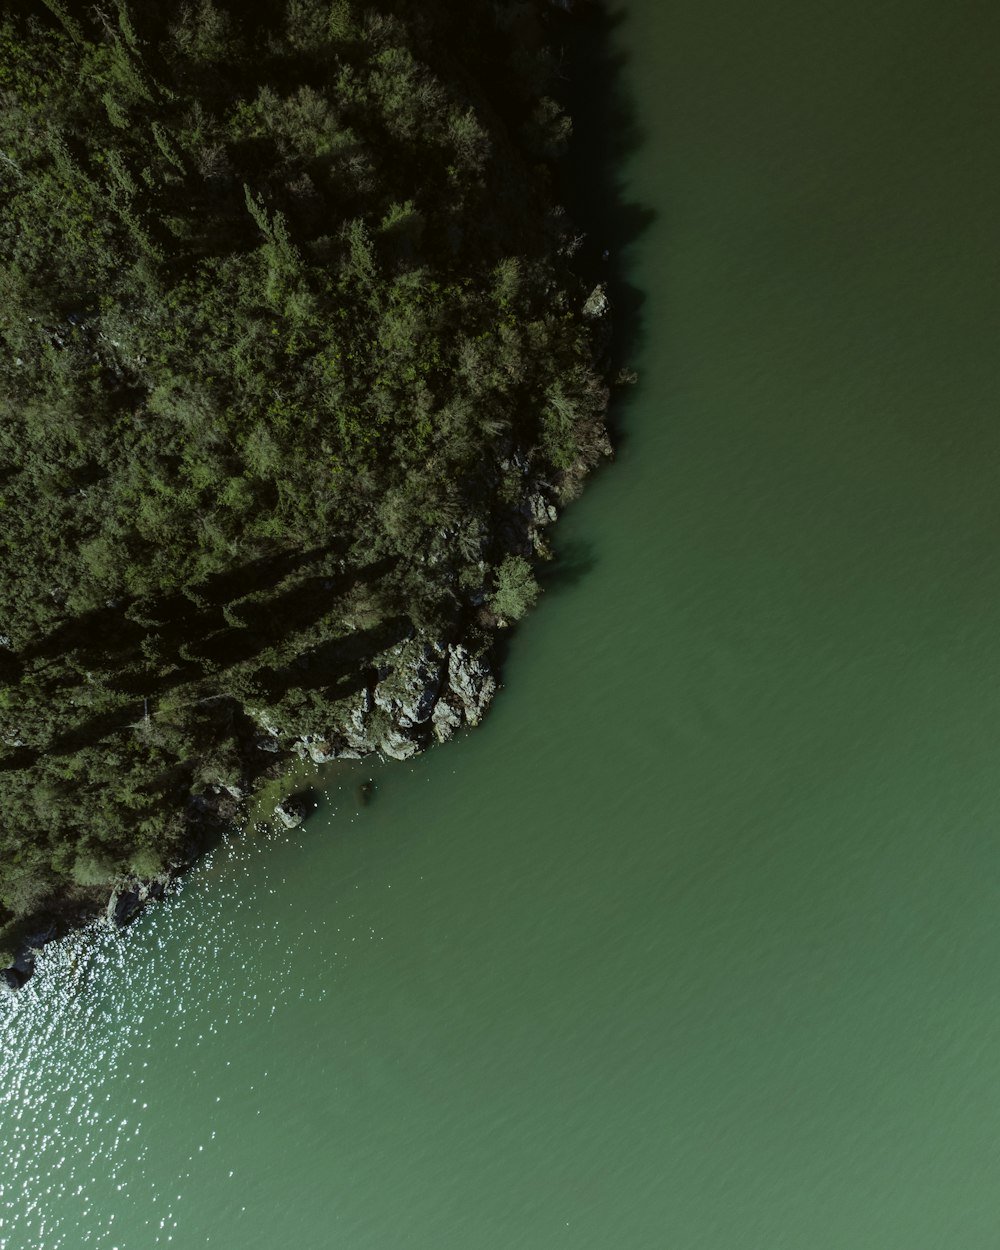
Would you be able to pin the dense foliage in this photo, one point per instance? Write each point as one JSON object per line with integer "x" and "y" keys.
{"x": 284, "y": 324}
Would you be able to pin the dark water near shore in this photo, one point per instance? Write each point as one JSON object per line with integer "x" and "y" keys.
{"x": 696, "y": 944}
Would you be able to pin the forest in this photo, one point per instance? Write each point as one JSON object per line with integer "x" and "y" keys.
{"x": 289, "y": 328}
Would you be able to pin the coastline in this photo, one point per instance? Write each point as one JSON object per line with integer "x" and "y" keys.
{"x": 412, "y": 680}
{"x": 418, "y": 693}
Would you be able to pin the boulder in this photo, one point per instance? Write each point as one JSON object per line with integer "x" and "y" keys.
{"x": 597, "y": 303}
{"x": 290, "y": 812}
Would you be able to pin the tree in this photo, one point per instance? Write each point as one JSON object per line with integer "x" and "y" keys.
{"x": 516, "y": 590}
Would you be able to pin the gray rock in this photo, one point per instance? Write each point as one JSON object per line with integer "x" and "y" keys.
{"x": 540, "y": 510}
{"x": 320, "y": 750}
{"x": 356, "y": 727}
{"x": 472, "y": 682}
{"x": 446, "y": 720}
{"x": 398, "y": 746}
{"x": 409, "y": 692}
{"x": 290, "y": 812}
{"x": 597, "y": 303}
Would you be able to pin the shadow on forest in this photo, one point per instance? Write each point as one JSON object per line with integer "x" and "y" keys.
{"x": 224, "y": 621}
{"x": 341, "y": 666}
{"x": 606, "y": 133}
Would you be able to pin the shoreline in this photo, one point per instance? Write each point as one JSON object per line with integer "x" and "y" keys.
{"x": 419, "y": 694}
{"x": 350, "y": 680}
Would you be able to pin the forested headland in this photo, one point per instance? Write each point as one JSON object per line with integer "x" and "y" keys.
{"x": 294, "y": 368}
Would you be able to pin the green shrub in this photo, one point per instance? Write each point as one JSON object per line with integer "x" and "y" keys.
{"x": 516, "y": 589}
{"x": 146, "y": 863}
{"x": 92, "y": 869}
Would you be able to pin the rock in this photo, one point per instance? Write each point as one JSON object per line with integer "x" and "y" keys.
{"x": 124, "y": 905}
{"x": 409, "y": 692}
{"x": 472, "y": 681}
{"x": 446, "y": 720}
{"x": 597, "y": 303}
{"x": 398, "y": 746}
{"x": 22, "y": 969}
{"x": 319, "y": 750}
{"x": 540, "y": 510}
{"x": 18, "y": 973}
{"x": 130, "y": 897}
{"x": 536, "y": 508}
{"x": 290, "y": 812}
{"x": 267, "y": 743}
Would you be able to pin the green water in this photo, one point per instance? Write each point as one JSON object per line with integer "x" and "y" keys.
{"x": 696, "y": 944}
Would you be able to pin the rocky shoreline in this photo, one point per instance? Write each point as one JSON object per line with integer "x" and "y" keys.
{"x": 419, "y": 692}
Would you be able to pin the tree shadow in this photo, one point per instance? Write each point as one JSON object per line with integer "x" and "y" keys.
{"x": 574, "y": 559}
{"x": 191, "y": 626}
{"x": 341, "y": 666}
{"x": 606, "y": 133}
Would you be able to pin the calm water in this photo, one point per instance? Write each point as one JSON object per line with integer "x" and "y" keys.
{"x": 696, "y": 944}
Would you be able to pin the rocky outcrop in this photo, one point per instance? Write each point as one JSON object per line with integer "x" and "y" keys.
{"x": 597, "y": 303}
{"x": 423, "y": 691}
{"x": 446, "y": 719}
{"x": 130, "y": 897}
{"x": 420, "y": 691}
{"x": 23, "y": 967}
{"x": 409, "y": 691}
{"x": 290, "y": 812}
{"x": 470, "y": 682}
{"x": 398, "y": 745}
